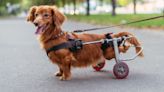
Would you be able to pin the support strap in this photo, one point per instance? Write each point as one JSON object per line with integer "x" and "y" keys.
{"x": 106, "y": 43}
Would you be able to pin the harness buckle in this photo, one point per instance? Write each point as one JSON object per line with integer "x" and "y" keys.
{"x": 77, "y": 44}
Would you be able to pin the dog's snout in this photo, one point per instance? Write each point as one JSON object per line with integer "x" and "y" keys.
{"x": 36, "y": 24}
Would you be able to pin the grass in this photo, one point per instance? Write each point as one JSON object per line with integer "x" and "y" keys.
{"x": 107, "y": 19}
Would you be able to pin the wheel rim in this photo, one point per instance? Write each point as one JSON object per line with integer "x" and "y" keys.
{"x": 121, "y": 70}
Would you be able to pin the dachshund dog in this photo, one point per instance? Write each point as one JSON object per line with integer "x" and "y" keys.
{"x": 49, "y": 20}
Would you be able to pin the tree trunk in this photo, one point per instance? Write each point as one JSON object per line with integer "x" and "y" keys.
{"x": 74, "y": 6}
{"x": 63, "y": 3}
{"x": 101, "y": 2}
{"x": 113, "y": 7}
{"x": 53, "y": 2}
{"x": 134, "y": 8}
{"x": 88, "y": 8}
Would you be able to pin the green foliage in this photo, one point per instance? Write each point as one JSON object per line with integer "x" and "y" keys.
{"x": 3, "y": 6}
{"x": 123, "y": 2}
{"x": 45, "y": 2}
{"x": 107, "y": 19}
{"x": 4, "y": 2}
{"x": 3, "y": 11}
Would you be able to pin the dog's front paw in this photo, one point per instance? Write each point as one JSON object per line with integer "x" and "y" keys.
{"x": 62, "y": 78}
{"x": 58, "y": 74}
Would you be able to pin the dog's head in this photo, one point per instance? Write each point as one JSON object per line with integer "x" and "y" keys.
{"x": 44, "y": 17}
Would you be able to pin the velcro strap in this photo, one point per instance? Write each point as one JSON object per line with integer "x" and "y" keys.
{"x": 108, "y": 35}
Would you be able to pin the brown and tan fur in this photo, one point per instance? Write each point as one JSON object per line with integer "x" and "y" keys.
{"x": 64, "y": 58}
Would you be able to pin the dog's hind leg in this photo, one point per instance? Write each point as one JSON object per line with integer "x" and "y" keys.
{"x": 109, "y": 53}
{"x": 133, "y": 41}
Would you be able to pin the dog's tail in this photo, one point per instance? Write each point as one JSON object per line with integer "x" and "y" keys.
{"x": 133, "y": 40}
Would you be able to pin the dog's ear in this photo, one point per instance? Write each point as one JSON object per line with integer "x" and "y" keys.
{"x": 58, "y": 17}
{"x": 31, "y": 14}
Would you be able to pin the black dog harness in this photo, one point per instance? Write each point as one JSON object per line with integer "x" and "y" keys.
{"x": 76, "y": 44}
{"x": 73, "y": 45}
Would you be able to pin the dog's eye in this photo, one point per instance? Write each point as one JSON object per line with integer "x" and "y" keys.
{"x": 46, "y": 15}
{"x": 36, "y": 15}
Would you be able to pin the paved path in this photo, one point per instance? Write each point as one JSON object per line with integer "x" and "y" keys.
{"x": 24, "y": 67}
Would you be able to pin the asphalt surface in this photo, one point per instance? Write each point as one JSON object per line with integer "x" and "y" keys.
{"x": 24, "y": 66}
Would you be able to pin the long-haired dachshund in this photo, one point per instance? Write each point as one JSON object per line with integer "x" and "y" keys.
{"x": 48, "y": 21}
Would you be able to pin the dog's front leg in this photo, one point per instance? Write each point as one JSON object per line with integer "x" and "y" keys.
{"x": 66, "y": 68}
{"x": 60, "y": 72}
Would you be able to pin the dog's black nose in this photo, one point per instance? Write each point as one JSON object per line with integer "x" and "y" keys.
{"x": 36, "y": 24}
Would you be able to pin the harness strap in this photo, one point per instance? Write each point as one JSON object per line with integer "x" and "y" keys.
{"x": 60, "y": 46}
{"x": 107, "y": 44}
{"x": 73, "y": 45}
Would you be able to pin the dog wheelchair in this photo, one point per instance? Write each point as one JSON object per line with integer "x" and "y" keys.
{"x": 120, "y": 69}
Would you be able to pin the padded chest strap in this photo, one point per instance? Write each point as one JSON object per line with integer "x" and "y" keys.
{"x": 72, "y": 45}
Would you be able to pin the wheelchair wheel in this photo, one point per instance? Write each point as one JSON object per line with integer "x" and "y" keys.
{"x": 121, "y": 70}
{"x": 99, "y": 66}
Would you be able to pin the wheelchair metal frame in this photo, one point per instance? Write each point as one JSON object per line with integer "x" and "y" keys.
{"x": 116, "y": 48}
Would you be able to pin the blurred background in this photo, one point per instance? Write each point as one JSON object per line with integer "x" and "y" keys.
{"x": 24, "y": 67}
{"x": 92, "y": 11}
{"x": 14, "y": 7}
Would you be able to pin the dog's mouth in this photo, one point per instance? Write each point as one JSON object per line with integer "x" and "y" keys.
{"x": 40, "y": 30}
